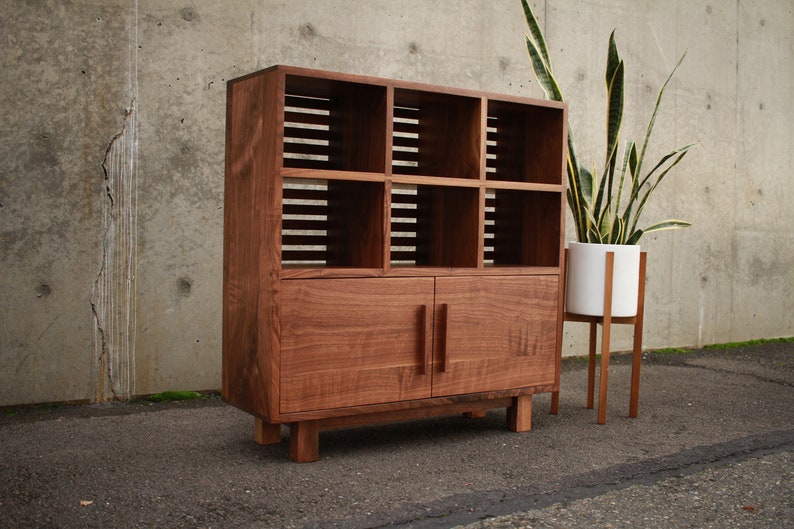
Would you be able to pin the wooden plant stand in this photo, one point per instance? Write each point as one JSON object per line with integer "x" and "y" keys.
{"x": 606, "y": 322}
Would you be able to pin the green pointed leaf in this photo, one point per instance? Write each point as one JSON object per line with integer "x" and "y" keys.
{"x": 613, "y": 58}
{"x": 635, "y": 237}
{"x": 543, "y": 72}
{"x": 652, "y": 121}
{"x": 614, "y": 116}
{"x": 536, "y": 32}
{"x": 670, "y": 224}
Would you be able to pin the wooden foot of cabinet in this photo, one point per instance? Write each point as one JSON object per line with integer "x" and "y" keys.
{"x": 304, "y": 441}
{"x": 266, "y": 433}
{"x": 519, "y": 415}
{"x": 304, "y": 436}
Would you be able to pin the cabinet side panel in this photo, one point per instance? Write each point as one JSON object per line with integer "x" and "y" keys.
{"x": 251, "y": 244}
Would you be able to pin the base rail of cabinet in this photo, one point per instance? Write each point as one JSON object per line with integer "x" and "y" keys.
{"x": 304, "y": 436}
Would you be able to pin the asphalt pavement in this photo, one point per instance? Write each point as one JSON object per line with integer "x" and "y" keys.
{"x": 712, "y": 447}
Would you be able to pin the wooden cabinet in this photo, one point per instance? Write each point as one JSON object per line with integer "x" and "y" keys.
{"x": 391, "y": 250}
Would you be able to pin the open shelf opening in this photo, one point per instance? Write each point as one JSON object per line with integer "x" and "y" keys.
{"x": 522, "y": 143}
{"x": 435, "y": 134}
{"x": 334, "y": 125}
{"x": 522, "y": 228}
{"x": 331, "y": 223}
{"x": 434, "y": 226}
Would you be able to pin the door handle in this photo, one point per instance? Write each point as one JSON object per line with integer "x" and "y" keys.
{"x": 427, "y": 344}
{"x": 446, "y": 355}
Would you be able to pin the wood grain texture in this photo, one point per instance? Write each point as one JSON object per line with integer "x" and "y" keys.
{"x": 352, "y": 342}
{"x": 502, "y": 333}
{"x": 336, "y": 329}
{"x": 251, "y": 243}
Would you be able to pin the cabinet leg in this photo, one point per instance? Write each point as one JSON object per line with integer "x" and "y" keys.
{"x": 304, "y": 441}
{"x": 519, "y": 415}
{"x": 266, "y": 433}
{"x": 555, "y": 403}
{"x": 479, "y": 414}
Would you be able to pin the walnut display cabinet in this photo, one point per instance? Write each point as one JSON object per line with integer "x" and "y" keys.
{"x": 392, "y": 250}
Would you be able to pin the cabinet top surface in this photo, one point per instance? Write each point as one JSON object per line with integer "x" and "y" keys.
{"x": 400, "y": 84}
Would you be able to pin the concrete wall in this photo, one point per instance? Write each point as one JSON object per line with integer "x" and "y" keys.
{"x": 112, "y": 145}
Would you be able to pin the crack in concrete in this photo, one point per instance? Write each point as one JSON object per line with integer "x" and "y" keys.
{"x": 113, "y": 296}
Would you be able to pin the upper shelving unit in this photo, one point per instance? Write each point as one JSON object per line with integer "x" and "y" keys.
{"x": 375, "y": 176}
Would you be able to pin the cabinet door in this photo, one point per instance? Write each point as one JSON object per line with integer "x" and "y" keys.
{"x": 495, "y": 333}
{"x": 351, "y": 342}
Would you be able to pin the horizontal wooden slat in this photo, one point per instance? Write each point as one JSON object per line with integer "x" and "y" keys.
{"x": 405, "y": 169}
{"x": 307, "y": 102}
{"x": 403, "y": 227}
{"x": 403, "y": 198}
{"x": 304, "y": 133}
{"x": 406, "y": 113}
{"x": 402, "y": 141}
{"x": 304, "y": 209}
{"x": 403, "y": 256}
{"x": 303, "y": 255}
{"x": 293, "y": 224}
{"x": 309, "y": 119}
{"x": 303, "y": 193}
{"x": 306, "y": 148}
{"x": 400, "y": 244}
{"x": 303, "y": 240}
{"x": 305, "y": 164}
{"x": 405, "y": 156}
{"x": 407, "y": 128}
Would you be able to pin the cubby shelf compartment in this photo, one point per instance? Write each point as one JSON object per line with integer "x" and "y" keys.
{"x": 436, "y": 134}
{"x": 522, "y": 144}
{"x": 331, "y": 223}
{"x": 434, "y": 226}
{"x": 520, "y": 228}
{"x": 337, "y": 125}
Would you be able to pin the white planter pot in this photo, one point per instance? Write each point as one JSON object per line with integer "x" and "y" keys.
{"x": 584, "y": 292}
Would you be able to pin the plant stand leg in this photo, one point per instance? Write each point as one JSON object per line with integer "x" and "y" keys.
{"x": 591, "y": 365}
{"x": 304, "y": 441}
{"x": 636, "y": 358}
{"x": 605, "y": 339}
{"x": 266, "y": 433}
{"x": 519, "y": 415}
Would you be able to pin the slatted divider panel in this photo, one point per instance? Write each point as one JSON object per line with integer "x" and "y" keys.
{"x": 405, "y": 140}
{"x": 403, "y": 225}
{"x": 307, "y": 132}
{"x": 490, "y": 227}
{"x": 304, "y": 224}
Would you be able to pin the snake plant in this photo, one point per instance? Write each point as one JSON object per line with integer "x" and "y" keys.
{"x": 595, "y": 200}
